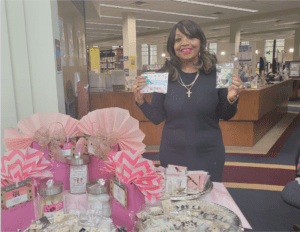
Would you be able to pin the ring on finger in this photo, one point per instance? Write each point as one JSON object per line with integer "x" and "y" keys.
{"x": 241, "y": 86}
{"x": 134, "y": 86}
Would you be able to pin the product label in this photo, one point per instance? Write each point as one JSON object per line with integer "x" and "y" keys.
{"x": 66, "y": 149}
{"x": 49, "y": 210}
{"x": 16, "y": 196}
{"x": 78, "y": 179}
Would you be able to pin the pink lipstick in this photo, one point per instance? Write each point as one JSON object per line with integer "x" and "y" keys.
{"x": 187, "y": 51}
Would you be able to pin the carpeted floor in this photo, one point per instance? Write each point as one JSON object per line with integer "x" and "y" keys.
{"x": 256, "y": 182}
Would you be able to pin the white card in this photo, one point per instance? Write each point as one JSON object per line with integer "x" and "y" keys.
{"x": 158, "y": 83}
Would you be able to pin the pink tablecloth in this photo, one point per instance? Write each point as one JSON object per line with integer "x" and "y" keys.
{"x": 221, "y": 196}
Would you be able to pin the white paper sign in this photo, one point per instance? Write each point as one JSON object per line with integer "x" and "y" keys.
{"x": 78, "y": 179}
{"x": 119, "y": 194}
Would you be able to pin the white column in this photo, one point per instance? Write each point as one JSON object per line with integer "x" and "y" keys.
{"x": 129, "y": 40}
{"x": 235, "y": 37}
{"x": 28, "y": 73}
{"x": 296, "y": 44}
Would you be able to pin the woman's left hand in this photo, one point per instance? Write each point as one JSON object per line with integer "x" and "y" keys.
{"x": 235, "y": 87}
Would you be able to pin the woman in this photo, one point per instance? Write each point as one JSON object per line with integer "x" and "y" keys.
{"x": 193, "y": 105}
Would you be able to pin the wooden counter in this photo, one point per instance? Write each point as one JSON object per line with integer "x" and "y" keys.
{"x": 126, "y": 101}
{"x": 258, "y": 111}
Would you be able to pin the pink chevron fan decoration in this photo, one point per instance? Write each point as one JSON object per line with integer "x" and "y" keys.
{"x": 130, "y": 167}
{"x": 113, "y": 122}
{"x": 50, "y": 130}
{"x": 13, "y": 140}
{"x": 19, "y": 165}
{"x": 51, "y": 121}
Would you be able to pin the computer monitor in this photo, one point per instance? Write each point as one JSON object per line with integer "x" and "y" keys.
{"x": 275, "y": 66}
{"x": 262, "y": 64}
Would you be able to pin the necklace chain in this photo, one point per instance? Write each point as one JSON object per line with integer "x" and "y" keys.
{"x": 189, "y": 86}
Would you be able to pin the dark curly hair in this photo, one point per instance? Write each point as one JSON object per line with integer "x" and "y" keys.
{"x": 207, "y": 62}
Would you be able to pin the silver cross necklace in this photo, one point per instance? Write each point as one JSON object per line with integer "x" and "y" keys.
{"x": 188, "y": 87}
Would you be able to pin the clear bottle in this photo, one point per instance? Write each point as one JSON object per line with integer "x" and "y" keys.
{"x": 50, "y": 197}
{"x": 98, "y": 198}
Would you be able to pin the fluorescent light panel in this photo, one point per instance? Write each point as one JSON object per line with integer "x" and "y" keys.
{"x": 266, "y": 21}
{"x": 216, "y": 5}
{"x": 146, "y": 20}
{"x": 288, "y": 23}
{"x": 119, "y": 25}
{"x": 156, "y": 11}
{"x": 103, "y": 29}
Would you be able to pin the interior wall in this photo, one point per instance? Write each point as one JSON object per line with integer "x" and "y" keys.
{"x": 28, "y": 74}
{"x": 70, "y": 14}
{"x": 288, "y": 44}
{"x": 139, "y": 57}
{"x": 223, "y": 47}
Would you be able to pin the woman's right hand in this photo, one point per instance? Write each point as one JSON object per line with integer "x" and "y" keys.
{"x": 139, "y": 84}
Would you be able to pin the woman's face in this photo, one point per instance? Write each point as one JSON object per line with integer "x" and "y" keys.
{"x": 186, "y": 48}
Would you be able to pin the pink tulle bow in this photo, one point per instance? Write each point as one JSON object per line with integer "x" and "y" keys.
{"x": 43, "y": 138}
{"x": 131, "y": 167}
{"x": 103, "y": 143}
{"x": 19, "y": 165}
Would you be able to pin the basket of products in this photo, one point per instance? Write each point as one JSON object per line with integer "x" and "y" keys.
{"x": 188, "y": 216}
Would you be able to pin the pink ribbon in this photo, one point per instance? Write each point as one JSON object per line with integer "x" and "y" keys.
{"x": 43, "y": 138}
{"x": 103, "y": 143}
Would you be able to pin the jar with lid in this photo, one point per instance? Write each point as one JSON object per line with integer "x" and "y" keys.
{"x": 98, "y": 198}
{"x": 50, "y": 197}
{"x": 78, "y": 173}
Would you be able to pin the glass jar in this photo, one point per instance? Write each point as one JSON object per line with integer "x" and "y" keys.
{"x": 78, "y": 173}
{"x": 50, "y": 197}
{"x": 98, "y": 198}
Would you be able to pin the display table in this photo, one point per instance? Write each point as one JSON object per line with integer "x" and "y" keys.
{"x": 221, "y": 196}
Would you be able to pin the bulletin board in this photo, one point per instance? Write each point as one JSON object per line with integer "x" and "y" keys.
{"x": 94, "y": 59}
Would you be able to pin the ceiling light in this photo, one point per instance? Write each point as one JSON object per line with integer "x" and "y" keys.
{"x": 291, "y": 50}
{"x": 288, "y": 23}
{"x": 156, "y": 11}
{"x": 220, "y": 27}
{"x": 146, "y": 20}
{"x": 222, "y": 53}
{"x": 163, "y": 54}
{"x": 102, "y": 33}
{"x": 256, "y": 51}
{"x": 267, "y": 21}
{"x": 119, "y": 25}
{"x": 103, "y": 29}
{"x": 216, "y": 5}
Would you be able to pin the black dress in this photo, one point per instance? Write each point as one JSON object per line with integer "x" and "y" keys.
{"x": 191, "y": 135}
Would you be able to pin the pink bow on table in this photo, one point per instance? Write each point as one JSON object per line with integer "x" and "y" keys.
{"x": 43, "y": 138}
{"x": 103, "y": 143}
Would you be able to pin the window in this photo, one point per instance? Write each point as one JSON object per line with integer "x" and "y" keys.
{"x": 153, "y": 54}
{"x": 269, "y": 50}
{"x": 245, "y": 43}
{"x": 212, "y": 48}
{"x": 280, "y": 45}
{"x": 145, "y": 54}
{"x": 149, "y": 54}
